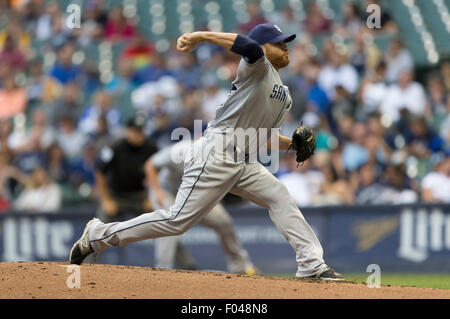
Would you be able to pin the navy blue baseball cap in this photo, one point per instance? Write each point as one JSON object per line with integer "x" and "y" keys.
{"x": 269, "y": 33}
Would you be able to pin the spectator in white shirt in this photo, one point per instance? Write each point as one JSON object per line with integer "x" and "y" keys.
{"x": 40, "y": 193}
{"x": 436, "y": 184}
{"x": 398, "y": 60}
{"x": 302, "y": 182}
{"x": 373, "y": 90}
{"x": 70, "y": 139}
{"x": 37, "y": 138}
{"x": 338, "y": 73}
{"x": 45, "y": 26}
{"x": 213, "y": 97}
{"x": 405, "y": 94}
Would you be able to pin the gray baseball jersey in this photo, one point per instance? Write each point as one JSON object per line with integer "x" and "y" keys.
{"x": 259, "y": 100}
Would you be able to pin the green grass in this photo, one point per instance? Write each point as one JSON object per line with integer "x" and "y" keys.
{"x": 405, "y": 279}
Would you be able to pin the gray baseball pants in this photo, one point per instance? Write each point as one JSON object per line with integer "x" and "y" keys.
{"x": 220, "y": 222}
{"x": 208, "y": 177}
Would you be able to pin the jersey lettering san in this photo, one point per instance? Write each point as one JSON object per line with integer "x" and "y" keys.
{"x": 278, "y": 93}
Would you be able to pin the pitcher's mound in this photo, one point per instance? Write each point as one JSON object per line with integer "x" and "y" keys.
{"x": 52, "y": 280}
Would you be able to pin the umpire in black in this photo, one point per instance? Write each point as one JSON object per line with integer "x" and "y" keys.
{"x": 121, "y": 175}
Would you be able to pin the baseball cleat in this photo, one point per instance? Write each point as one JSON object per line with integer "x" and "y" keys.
{"x": 82, "y": 247}
{"x": 328, "y": 275}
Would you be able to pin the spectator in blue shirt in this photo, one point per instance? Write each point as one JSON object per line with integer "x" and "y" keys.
{"x": 153, "y": 72}
{"x": 64, "y": 70}
{"x": 102, "y": 106}
{"x": 421, "y": 140}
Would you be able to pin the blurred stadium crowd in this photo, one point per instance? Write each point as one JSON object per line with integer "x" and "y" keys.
{"x": 383, "y": 137}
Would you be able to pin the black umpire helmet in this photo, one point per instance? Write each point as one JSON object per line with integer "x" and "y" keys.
{"x": 137, "y": 122}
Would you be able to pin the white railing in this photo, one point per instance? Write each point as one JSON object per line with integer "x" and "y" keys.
{"x": 425, "y": 35}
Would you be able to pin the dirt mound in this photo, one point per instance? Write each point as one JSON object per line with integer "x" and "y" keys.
{"x": 50, "y": 280}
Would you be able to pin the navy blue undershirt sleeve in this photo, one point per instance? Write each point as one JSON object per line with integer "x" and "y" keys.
{"x": 248, "y": 48}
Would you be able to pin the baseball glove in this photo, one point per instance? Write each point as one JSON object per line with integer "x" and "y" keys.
{"x": 303, "y": 143}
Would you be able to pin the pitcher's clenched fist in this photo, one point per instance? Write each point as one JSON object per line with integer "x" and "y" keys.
{"x": 188, "y": 41}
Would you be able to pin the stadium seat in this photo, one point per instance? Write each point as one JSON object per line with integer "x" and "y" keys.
{"x": 408, "y": 31}
{"x": 436, "y": 26}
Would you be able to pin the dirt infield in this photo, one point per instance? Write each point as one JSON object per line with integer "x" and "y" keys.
{"x": 49, "y": 280}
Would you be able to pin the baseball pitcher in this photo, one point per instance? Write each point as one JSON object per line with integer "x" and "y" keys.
{"x": 258, "y": 102}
